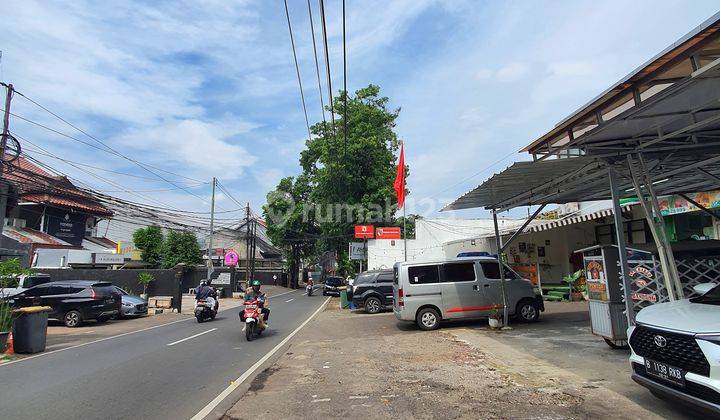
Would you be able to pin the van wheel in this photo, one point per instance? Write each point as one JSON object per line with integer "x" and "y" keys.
{"x": 428, "y": 319}
{"x": 372, "y": 305}
{"x": 527, "y": 311}
{"x": 72, "y": 319}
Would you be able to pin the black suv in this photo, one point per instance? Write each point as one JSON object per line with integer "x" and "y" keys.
{"x": 73, "y": 302}
{"x": 373, "y": 290}
{"x": 333, "y": 286}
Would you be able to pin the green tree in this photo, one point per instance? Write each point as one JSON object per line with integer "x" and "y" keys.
{"x": 290, "y": 221}
{"x": 180, "y": 247}
{"x": 409, "y": 224}
{"x": 342, "y": 182}
{"x": 358, "y": 173}
{"x": 150, "y": 241}
{"x": 10, "y": 270}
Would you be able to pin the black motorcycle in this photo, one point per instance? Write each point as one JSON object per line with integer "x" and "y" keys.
{"x": 204, "y": 311}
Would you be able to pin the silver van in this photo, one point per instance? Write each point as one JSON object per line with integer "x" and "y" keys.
{"x": 466, "y": 288}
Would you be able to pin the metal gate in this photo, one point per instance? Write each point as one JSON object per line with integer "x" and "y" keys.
{"x": 647, "y": 285}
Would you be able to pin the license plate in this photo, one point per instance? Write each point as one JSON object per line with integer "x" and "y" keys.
{"x": 665, "y": 371}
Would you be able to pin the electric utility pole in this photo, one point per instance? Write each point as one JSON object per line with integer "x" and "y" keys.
{"x": 3, "y": 145}
{"x": 212, "y": 226}
{"x": 247, "y": 245}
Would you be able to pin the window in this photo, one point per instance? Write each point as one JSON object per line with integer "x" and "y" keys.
{"x": 334, "y": 281}
{"x": 36, "y": 280}
{"x": 385, "y": 278}
{"x": 364, "y": 278}
{"x": 424, "y": 274}
{"x": 58, "y": 290}
{"x": 37, "y": 291}
{"x": 492, "y": 271}
{"x": 458, "y": 272}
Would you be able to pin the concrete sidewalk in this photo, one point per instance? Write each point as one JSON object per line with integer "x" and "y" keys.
{"x": 353, "y": 365}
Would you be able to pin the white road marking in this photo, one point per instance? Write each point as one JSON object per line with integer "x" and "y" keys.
{"x": 94, "y": 341}
{"x": 287, "y": 301}
{"x": 322, "y": 400}
{"x": 191, "y": 337}
{"x": 358, "y": 397}
{"x": 236, "y": 383}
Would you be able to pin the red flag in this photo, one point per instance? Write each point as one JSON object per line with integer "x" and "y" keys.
{"x": 400, "y": 178}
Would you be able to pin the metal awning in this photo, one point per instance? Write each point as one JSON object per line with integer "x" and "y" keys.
{"x": 566, "y": 221}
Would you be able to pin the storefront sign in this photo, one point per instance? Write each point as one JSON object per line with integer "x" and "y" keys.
{"x": 222, "y": 278}
{"x": 103, "y": 258}
{"x": 69, "y": 228}
{"x": 387, "y": 233}
{"x": 364, "y": 231}
{"x": 357, "y": 251}
{"x": 674, "y": 204}
{"x": 596, "y": 281}
{"x": 647, "y": 297}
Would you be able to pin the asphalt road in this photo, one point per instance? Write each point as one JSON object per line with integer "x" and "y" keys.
{"x": 158, "y": 373}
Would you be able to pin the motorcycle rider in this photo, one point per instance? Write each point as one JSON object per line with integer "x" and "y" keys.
{"x": 255, "y": 293}
{"x": 207, "y": 293}
{"x": 309, "y": 285}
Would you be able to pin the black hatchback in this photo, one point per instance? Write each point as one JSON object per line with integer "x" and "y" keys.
{"x": 373, "y": 290}
{"x": 73, "y": 302}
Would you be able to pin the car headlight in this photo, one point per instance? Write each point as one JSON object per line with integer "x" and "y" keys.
{"x": 713, "y": 338}
{"x": 127, "y": 304}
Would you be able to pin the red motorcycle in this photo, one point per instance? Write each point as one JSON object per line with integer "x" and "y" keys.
{"x": 251, "y": 316}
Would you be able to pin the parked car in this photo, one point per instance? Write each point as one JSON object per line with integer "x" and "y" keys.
{"x": 333, "y": 285}
{"x": 73, "y": 302}
{"x": 132, "y": 305}
{"x": 25, "y": 282}
{"x": 430, "y": 292}
{"x": 676, "y": 349}
{"x": 373, "y": 290}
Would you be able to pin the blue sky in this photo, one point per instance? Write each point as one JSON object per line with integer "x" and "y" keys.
{"x": 208, "y": 88}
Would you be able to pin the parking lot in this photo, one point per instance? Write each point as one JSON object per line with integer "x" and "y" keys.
{"x": 355, "y": 365}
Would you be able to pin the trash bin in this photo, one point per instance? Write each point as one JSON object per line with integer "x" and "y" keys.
{"x": 344, "y": 304}
{"x": 30, "y": 329}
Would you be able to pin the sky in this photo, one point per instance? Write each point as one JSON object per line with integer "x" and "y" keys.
{"x": 204, "y": 88}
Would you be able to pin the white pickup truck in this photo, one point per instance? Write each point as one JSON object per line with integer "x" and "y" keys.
{"x": 24, "y": 282}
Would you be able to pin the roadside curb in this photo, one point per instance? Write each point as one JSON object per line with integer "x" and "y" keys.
{"x": 239, "y": 386}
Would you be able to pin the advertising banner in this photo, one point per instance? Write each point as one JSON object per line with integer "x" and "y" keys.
{"x": 387, "y": 233}
{"x": 364, "y": 231}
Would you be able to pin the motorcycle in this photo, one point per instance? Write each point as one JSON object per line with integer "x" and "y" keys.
{"x": 205, "y": 311}
{"x": 309, "y": 289}
{"x": 251, "y": 317}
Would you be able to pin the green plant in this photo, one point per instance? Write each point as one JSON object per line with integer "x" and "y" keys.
{"x": 573, "y": 281}
{"x": 145, "y": 279}
{"x": 10, "y": 270}
{"x": 150, "y": 241}
{"x": 181, "y": 247}
{"x": 495, "y": 314}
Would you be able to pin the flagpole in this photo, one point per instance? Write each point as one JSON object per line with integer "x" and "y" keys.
{"x": 404, "y": 232}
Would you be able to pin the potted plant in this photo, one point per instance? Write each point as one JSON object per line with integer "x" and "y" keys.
{"x": 10, "y": 270}
{"x": 495, "y": 318}
{"x": 145, "y": 279}
{"x": 576, "y": 285}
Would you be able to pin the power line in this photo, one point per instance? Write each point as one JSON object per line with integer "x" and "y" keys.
{"x": 327, "y": 65}
{"x": 297, "y": 70}
{"x": 115, "y": 152}
{"x": 345, "y": 117}
{"x": 317, "y": 65}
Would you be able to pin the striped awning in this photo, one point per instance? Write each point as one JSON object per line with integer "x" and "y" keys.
{"x": 552, "y": 224}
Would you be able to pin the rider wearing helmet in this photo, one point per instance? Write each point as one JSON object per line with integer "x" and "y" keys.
{"x": 206, "y": 293}
{"x": 255, "y": 293}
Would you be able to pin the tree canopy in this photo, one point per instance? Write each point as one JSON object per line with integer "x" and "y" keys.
{"x": 180, "y": 247}
{"x": 342, "y": 183}
{"x": 149, "y": 240}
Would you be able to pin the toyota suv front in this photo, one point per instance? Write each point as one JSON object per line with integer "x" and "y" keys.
{"x": 676, "y": 349}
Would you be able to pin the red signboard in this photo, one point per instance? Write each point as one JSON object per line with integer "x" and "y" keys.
{"x": 387, "y": 233}
{"x": 364, "y": 231}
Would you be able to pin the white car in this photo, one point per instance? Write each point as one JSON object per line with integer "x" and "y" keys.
{"x": 676, "y": 349}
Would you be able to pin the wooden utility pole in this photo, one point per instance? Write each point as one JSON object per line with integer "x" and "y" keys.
{"x": 3, "y": 145}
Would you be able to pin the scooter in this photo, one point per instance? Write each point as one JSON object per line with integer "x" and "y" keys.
{"x": 205, "y": 311}
{"x": 309, "y": 289}
{"x": 251, "y": 317}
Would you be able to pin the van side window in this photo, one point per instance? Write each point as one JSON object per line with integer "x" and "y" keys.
{"x": 458, "y": 272}
{"x": 424, "y": 274}
{"x": 492, "y": 271}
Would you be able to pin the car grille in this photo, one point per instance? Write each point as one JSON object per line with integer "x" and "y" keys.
{"x": 691, "y": 388}
{"x": 680, "y": 351}
{"x": 141, "y": 307}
